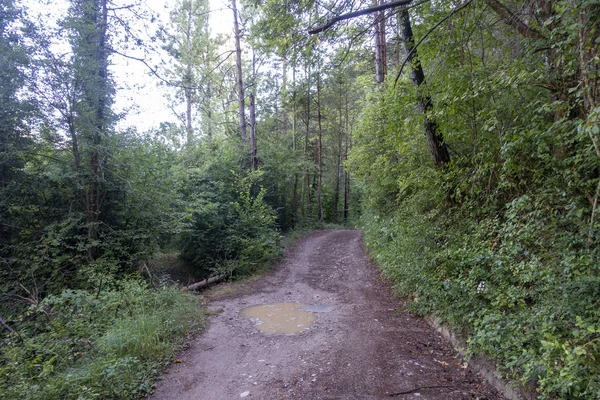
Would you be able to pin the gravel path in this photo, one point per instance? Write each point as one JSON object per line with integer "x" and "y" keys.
{"x": 362, "y": 347}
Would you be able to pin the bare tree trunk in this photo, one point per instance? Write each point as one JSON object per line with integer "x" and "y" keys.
{"x": 346, "y": 173}
{"x": 187, "y": 85}
{"x": 380, "y": 45}
{"x": 74, "y": 140}
{"x": 284, "y": 114}
{"x": 208, "y": 105}
{"x": 240, "y": 81}
{"x": 253, "y": 149}
{"x": 98, "y": 95}
{"x": 294, "y": 123}
{"x": 338, "y": 171}
{"x": 435, "y": 140}
{"x": 319, "y": 153}
{"x": 308, "y": 101}
{"x": 188, "y": 116}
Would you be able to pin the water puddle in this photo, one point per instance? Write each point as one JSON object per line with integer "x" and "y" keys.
{"x": 282, "y": 318}
{"x": 319, "y": 308}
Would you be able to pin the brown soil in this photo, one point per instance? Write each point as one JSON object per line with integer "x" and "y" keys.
{"x": 364, "y": 347}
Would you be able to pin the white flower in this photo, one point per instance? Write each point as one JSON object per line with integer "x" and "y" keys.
{"x": 481, "y": 287}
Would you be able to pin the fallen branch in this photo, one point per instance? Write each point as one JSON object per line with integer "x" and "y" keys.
{"x": 420, "y": 388}
{"x": 206, "y": 282}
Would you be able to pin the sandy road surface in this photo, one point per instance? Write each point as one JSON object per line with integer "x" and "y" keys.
{"x": 364, "y": 347}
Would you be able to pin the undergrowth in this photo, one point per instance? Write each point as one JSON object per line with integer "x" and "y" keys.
{"x": 103, "y": 344}
{"x": 524, "y": 287}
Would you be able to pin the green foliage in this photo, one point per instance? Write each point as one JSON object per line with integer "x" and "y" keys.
{"x": 88, "y": 344}
{"x": 502, "y": 244}
{"x": 236, "y": 237}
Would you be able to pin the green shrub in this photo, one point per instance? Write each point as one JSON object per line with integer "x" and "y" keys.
{"x": 108, "y": 344}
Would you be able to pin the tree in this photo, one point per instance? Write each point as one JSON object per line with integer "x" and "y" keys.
{"x": 240, "y": 78}
{"x": 89, "y": 39}
{"x": 435, "y": 140}
{"x": 14, "y": 110}
{"x": 187, "y": 40}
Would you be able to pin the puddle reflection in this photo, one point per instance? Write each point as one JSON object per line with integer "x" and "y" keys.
{"x": 279, "y": 318}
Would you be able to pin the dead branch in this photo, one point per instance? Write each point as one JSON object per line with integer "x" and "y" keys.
{"x": 206, "y": 282}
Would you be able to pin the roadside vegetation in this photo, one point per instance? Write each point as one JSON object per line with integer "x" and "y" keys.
{"x": 462, "y": 137}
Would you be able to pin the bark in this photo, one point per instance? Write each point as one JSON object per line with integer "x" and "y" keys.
{"x": 435, "y": 140}
{"x": 240, "y": 81}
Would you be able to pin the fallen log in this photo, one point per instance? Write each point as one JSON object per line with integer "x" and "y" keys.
{"x": 206, "y": 282}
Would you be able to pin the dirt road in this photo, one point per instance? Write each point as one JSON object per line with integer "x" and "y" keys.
{"x": 361, "y": 345}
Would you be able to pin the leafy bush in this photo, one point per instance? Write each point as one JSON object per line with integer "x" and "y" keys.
{"x": 502, "y": 243}
{"x": 103, "y": 344}
{"x": 236, "y": 236}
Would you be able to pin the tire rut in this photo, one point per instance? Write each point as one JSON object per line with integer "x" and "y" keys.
{"x": 364, "y": 347}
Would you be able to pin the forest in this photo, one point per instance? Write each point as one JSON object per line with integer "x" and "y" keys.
{"x": 462, "y": 138}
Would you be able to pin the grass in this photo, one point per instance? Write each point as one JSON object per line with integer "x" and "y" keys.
{"x": 110, "y": 346}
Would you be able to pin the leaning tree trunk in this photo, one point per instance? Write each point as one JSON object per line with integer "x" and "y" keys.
{"x": 435, "y": 140}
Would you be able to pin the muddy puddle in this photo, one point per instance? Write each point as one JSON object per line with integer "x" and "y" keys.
{"x": 279, "y": 318}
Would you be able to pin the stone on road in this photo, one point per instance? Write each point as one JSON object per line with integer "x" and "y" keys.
{"x": 359, "y": 344}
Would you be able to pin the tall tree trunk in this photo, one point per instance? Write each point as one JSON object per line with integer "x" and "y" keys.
{"x": 336, "y": 193}
{"x": 187, "y": 84}
{"x": 380, "y": 44}
{"x": 240, "y": 80}
{"x": 208, "y": 105}
{"x": 296, "y": 177}
{"x": 435, "y": 140}
{"x": 319, "y": 153}
{"x": 253, "y": 149}
{"x": 98, "y": 96}
{"x": 306, "y": 135}
{"x": 188, "y": 116}
{"x": 284, "y": 114}
{"x": 346, "y": 173}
